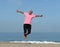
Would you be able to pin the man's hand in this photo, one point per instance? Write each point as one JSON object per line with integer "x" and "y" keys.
{"x": 19, "y": 11}
{"x": 41, "y": 15}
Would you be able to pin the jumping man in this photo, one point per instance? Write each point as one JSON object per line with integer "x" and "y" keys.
{"x": 27, "y": 21}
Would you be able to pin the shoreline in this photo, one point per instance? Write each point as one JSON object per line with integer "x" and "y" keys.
{"x": 32, "y": 42}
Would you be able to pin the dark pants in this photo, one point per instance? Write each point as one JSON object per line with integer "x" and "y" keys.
{"x": 27, "y": 29}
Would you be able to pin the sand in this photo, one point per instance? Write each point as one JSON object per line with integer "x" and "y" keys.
{"x": 27, "y": 45}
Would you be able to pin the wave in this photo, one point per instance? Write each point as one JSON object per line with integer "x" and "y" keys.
{"x": 37, "y": 42}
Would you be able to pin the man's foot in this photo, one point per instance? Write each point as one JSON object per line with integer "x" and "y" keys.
{"x": 25, "y": 36}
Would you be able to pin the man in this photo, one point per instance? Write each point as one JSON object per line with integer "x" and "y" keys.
{"x": 27, "y": 21}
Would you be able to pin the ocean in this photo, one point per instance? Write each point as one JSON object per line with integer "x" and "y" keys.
{"x": 34, "y": 36}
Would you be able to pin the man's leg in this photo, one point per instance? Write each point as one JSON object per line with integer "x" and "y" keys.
{"x": 25, "y": 30}
{"x": 29, "y": 29}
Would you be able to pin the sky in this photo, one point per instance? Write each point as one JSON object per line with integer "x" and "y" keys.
{"x": 11, "y": 21}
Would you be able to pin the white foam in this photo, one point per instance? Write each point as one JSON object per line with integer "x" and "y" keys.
{"x": 37, "y": 42}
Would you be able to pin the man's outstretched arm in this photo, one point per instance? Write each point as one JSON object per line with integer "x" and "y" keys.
{"x": 20, "y": 12}
{"x": 39, "y": 15}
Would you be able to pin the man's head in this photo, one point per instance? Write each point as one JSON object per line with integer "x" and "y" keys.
{"x": 30, "y": 12}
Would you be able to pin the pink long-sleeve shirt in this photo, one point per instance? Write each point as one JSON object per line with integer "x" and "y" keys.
{"x": 28, "y": 18}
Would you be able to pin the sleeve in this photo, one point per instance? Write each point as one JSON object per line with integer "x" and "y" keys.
{"x": 34, "y": 16}
{"x": 25, "y": 13}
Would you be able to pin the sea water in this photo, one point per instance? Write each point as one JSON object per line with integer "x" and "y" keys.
{"x": 34, "y": 36}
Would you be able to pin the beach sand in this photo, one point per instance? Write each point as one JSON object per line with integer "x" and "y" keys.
{"x": 27, "y": 45}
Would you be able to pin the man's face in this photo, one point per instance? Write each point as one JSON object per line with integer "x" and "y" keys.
{"x": 30, "y": 12}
